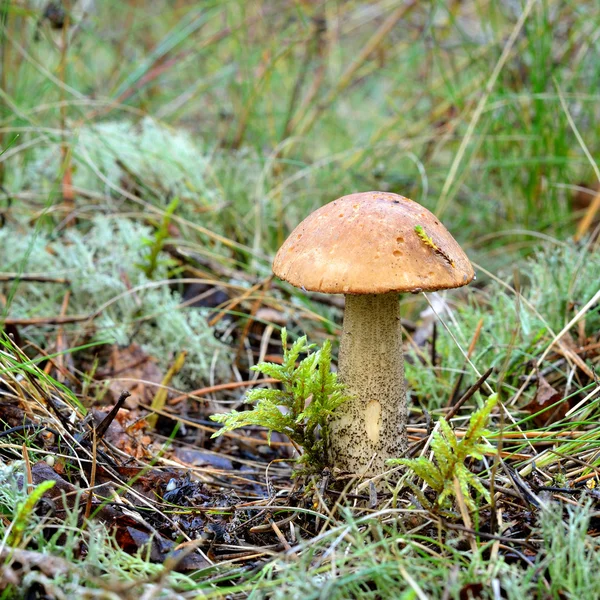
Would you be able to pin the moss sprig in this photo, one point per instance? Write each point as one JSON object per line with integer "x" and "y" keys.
{"x": 428, "y": 241}
{"x": 450, "y": 455}
{"x": 309, "y": 394}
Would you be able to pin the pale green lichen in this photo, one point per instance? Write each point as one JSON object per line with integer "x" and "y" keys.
{"x": 102, "y": 263}
{"x": 112, "y": 154}
{"x": 556, "y": 283}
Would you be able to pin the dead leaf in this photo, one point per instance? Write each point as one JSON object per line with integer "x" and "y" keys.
{"x": 126, "y": 432}
{"x": 130, "y": 534}
{"x": 193, "y": 457}
{"x": 162, "y": 549}
{"x": 471, "y": 591}
{"x": 135, "y": 371}
{"x": 542, "y": 404}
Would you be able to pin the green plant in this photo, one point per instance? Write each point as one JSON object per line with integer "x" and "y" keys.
{"x": 155, "y": 244}
{"x": 450, "y": 455}
{"x": 24, "y": 511}
{"x": 309, "y": 395}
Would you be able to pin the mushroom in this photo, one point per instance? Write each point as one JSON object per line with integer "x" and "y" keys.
{"x": 370, "y": 247}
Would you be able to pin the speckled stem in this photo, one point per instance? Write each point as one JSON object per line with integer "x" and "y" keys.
{"x": 371, "y": 427}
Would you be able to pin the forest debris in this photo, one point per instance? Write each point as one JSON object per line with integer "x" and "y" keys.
{"x": 126, "y": 432}
{"x": 428, "y": 241}
{"x": 131, "y": 534}
{"x": 588, "y": 199}
{"x": 110, "y": 417}
{"x": 16, "y": 563}
{"x": 544, "y": 407}
{"x": 132, "y": 369}
{"x": 161, "y": 549}
{"x": 196, "y": 457}
{"x": 62, "y": 496}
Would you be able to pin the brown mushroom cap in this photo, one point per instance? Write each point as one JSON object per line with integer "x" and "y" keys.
{"x": 372, "y": 243}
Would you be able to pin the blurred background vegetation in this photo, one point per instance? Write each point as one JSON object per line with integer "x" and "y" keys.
{"x": 216, "y": 126}
{"x": 289, "y": 104}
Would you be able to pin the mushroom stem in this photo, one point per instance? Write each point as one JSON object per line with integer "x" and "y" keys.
{"x": 371, "y": 426}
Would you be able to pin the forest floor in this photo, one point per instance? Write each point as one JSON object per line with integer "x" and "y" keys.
{"x": 154, "y": 157}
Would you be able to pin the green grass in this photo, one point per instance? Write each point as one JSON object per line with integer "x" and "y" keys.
{"x": 252, "y": 114}
{"x": 375, "y": 558}
{"x": 554, "y": 285}
{"x": 360, "y": 556}
{"x": 397, "y": 124}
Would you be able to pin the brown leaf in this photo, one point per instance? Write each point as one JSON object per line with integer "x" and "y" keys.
{"x": 11, "y": 415}
{"x": 63, "y": 495}
{"x": 162, "y": 549}
{"x": 125, "y": 432}
{"x": 471, "y": 591}
{"x": 146, "y": 482}
{"x": 542, "y": 404}
{"x": 133, "y": 370}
